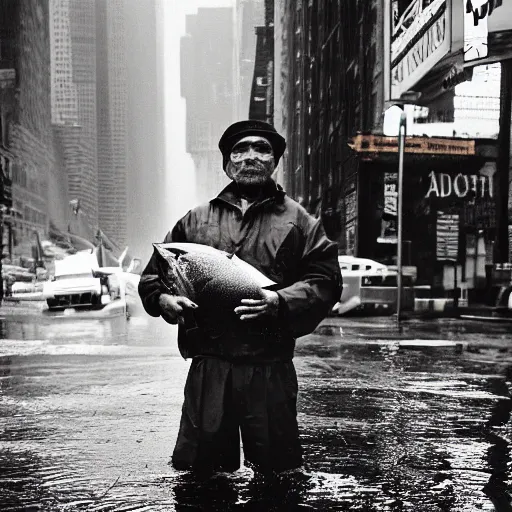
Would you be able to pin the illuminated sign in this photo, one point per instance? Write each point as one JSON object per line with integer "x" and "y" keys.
{"x": 422, "y": 145}
{"x": 420, "y": 39}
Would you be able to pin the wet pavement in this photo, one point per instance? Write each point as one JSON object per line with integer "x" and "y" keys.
{"x": 417, "y": 421}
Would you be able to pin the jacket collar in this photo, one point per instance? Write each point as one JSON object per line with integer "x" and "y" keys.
{"x": 231, "y": 195}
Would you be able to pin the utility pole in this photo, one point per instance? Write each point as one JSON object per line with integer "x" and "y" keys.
{"x": 501, "y": 254}
{"x": 402, "y": 134}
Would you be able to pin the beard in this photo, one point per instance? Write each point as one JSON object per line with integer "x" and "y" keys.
{"x": 250, "y": 172}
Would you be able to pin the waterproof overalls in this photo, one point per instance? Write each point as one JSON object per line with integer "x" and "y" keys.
{"x": 242, "y": 379}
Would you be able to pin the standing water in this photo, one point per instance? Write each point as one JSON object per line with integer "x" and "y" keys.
{"x": 89, "y": 412}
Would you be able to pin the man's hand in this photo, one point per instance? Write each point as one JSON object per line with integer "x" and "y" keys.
{"x": 172, "y": 308}
{"x": 252, "y": 309}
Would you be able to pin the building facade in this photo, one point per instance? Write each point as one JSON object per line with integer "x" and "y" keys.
{"x": 38, "y": 181}
{"x": 73, "y": 75}
{"x": 112, "y": 97}
{"x": 207, "y": 84}
{"x": 328, "y": 86}
{"x": 249, "y": 14}
{"x": 332, "y": 79}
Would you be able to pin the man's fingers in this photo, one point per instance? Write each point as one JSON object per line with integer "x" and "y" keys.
{"x": 186, "y": 302}
{"x": 242, "y": 310}
{"x": 251, "y": 316}
{"x": 253, "y": 302}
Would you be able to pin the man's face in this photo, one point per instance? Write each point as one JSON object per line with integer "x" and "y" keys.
{"x": 251, "y": 161}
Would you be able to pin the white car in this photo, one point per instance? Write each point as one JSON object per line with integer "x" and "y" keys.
{"x": 75, "y": 284}
{"x": 366, "y": 284}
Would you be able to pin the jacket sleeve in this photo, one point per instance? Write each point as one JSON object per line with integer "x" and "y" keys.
{"x": 149, "y": 284}
{"x": 304, "y": 304}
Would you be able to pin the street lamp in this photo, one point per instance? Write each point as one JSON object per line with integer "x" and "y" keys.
{"x": 394, "y": 118}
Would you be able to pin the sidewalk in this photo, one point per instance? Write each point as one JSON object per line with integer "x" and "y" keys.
{"x": 473, "y": 311}
{"x": 12, "y": 307}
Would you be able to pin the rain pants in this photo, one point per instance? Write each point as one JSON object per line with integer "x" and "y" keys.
{"x": 242, "y": 377}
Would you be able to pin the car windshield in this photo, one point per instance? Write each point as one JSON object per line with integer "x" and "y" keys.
{"x": 73, "y": 276}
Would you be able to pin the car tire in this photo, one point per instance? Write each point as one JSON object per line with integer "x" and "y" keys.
{"x": 51, "y": 303}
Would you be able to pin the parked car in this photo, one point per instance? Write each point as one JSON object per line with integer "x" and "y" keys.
{"x": 75, "y": 284}
{"x": 79, "y": 282}
{"x": 368, "y": 284}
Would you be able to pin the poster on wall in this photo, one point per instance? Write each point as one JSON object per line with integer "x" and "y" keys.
{"x": 509, "y": 243}
{"x": 350, "y": 206}
{"x": 390, "y": 193}
{"x": 447, "y": 234}
{"x": 350, "y": 238}
{"x": 388, "y": 232}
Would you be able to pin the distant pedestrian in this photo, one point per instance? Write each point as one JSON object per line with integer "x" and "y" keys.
{"x": 254, "y": 389}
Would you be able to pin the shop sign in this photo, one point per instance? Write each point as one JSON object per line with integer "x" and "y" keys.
{"x": 447, "y": 246}
{"x": 460, "y": 185}
{"x": 420, "y": 39}
{"x": 422, "y": 145}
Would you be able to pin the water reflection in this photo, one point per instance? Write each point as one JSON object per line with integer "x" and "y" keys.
{"x": 498, "y": 455}
{"x": 87, "y": 423}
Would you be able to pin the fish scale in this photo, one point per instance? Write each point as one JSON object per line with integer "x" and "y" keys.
{"x": 209, "y": 277}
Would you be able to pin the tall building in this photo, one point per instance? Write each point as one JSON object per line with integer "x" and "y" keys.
{"x": 249, "y": 14}
{"x": 64, "y": 90}
{"x": 112, "y": 97}
{"x": 207, "y": 85}
{"x": 328, "y": 86}
{"x": 38, "y": 194}
{"x": 147, "y": 178}
{"x": 73, "y": 75}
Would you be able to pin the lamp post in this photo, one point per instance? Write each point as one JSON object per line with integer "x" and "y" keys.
{"x": 396, "y": 118}
{"x": 402, "y": 133}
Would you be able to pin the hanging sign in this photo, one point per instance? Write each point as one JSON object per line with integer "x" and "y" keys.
{"x": 447, "y": 246}
{"x": 419, "y": 40}
{"x": 482, "y": 18}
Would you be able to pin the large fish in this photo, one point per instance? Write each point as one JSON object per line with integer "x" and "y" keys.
{"x": 215, "y": 280}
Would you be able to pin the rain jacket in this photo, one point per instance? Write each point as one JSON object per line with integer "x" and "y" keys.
{"x": 278, "y": 237}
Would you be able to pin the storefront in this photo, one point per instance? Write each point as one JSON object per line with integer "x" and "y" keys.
{"x": 448, "y": 210}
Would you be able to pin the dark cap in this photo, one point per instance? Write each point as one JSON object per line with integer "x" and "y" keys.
{"x": 237, "y": 131}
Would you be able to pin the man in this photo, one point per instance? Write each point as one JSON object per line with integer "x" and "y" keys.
{"x": 253, "y": 389}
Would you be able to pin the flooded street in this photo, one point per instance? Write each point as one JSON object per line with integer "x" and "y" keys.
{"x": 89, "y": 413}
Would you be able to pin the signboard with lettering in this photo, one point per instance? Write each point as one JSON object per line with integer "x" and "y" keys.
{"x": 447, "y": 246}
{"x": 420, "y": 38}
{"x": 390, "y": 193}
{"x": 461, "y": 185}
{"x": 424, "y": 145}
{"x": 482, "y": 18}
{"x": 388, "y": 231}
